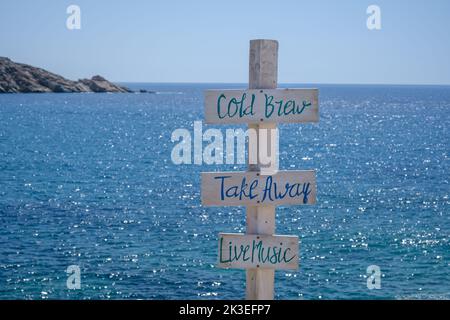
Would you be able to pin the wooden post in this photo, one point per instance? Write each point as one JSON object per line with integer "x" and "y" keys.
{"x": 263, "y": 72}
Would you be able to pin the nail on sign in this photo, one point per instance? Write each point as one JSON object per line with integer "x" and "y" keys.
{"x": 256, "y": 106}
{"x": 251, "y": 188}
{"x": 243, "y": 251}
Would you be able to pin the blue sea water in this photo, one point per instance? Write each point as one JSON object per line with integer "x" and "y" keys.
{"x": 87, "y": 180}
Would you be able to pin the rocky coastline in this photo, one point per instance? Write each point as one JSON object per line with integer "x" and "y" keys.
{"x": 23, "y": 78}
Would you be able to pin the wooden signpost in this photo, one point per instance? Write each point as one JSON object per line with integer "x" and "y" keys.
{"x": 260, "y": 252}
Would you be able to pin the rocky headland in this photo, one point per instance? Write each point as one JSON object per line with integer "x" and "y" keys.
{"x": 23, "y": 78}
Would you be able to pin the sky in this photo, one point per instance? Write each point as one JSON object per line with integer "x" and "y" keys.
{"x": 320, "y": 41}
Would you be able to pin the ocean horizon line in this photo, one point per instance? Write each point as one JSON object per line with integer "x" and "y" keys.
{"x": 288, "y": 84}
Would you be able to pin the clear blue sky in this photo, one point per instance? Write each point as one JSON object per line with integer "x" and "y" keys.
{"x": 321, "y": 41}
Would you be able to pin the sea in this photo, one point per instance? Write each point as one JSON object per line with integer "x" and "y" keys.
{"x": 88, "y": 188}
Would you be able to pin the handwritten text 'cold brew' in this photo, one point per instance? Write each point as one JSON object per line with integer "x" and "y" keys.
{"x": 245, "y": 106}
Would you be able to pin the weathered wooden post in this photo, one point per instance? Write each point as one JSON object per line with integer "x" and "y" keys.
{"x": 263, "y": 74}
{"x": 261, "y": 187}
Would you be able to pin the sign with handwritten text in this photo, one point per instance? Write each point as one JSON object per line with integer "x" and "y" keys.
{"x": 257, "y": 106}
{"x": 241, "y": 251}
{"x": 251, "y": 188}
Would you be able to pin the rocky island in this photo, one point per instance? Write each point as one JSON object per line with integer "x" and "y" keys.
{"x": 23, "y": 78}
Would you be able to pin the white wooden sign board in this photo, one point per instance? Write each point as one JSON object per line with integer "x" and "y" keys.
{"x": 261, "y": 105}
{"x": 244, "y": 251}
{"x": 254, "y": 189}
